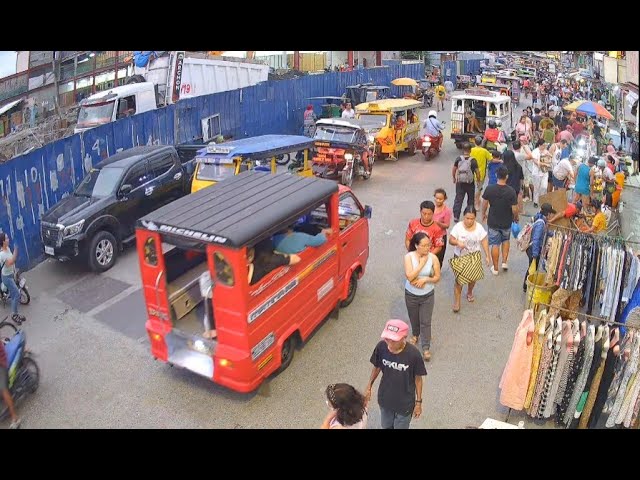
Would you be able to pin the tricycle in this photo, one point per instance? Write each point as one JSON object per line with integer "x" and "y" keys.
{"x": 342, "y": 151}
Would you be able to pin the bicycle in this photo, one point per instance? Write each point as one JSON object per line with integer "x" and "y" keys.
{"x": 7, "y": 330}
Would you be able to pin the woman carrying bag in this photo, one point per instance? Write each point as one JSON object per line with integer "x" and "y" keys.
{"x": 468, "y": 237}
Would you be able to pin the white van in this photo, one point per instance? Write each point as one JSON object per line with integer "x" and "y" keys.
{"x": 114, "y": 104}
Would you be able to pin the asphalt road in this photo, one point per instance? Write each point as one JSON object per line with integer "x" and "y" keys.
{"x": 97, "y": 372}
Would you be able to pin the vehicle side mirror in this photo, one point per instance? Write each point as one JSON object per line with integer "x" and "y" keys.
{"x": 368, "y": 210}
{"x": 189, "y": 167}
{"x": 125, "y": 190}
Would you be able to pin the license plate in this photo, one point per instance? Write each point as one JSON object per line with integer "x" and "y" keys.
{"x": 49, "y": 250}
{"x": 23, "y": 282}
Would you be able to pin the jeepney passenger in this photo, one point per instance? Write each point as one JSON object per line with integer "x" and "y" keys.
{"x": 261, "y": 260}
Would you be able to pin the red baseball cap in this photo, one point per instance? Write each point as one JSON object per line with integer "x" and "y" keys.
{"x": 395, "y": 330}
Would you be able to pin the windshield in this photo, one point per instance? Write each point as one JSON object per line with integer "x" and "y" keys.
{"x": 370, "y": 120}
{"x": 215, "y": 173}
{"x": 100, "y": 183}
{"x": 95, "y": 114}
{"x": 336, "y": 134}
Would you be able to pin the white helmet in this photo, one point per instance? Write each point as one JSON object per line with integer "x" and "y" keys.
{"x": 432, "y": 113}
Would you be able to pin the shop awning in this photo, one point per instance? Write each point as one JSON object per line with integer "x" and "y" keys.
{"x": 9, "y": 106}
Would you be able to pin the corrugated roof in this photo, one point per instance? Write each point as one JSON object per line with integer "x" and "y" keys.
{"x": 261, "y": 146}
{"x": 241, "y": 210}
{"x": 9, "y": 106}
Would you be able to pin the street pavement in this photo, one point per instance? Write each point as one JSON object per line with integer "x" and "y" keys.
{"x": 630, "y": 214}
{"x": 87, "y": 332}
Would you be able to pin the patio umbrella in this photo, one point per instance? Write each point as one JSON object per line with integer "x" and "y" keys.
{"x": 590, "y": 108}
{"x": 404, "y": 82}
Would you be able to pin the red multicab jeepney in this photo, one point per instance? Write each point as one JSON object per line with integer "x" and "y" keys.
{"x": 196, "y": 248}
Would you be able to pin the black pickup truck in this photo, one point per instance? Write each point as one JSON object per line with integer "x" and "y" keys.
{"x": 98, "y": 218}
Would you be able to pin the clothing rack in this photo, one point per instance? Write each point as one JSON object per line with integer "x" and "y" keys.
{"x": 597, "y": 235}
{"x": 589, "y": 317}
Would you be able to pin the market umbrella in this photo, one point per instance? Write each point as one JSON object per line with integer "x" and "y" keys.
{"x": 590, "y": 108}
{"x": 404, "y": 82}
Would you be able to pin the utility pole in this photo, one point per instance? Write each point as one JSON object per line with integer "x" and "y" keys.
{"x": 54, "y": 65}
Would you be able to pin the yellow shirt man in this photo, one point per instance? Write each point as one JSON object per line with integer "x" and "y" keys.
{"x": 441, "y": 92}
{"x": 599, "y": 222}
{"x": 483, "y": 157}
{"x": 546, "y": 123}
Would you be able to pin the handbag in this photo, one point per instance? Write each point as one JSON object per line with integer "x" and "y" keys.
{"x": 467, "y": 268}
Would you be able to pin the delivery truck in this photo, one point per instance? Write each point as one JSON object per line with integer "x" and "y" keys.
{"x": 164, "y": 80}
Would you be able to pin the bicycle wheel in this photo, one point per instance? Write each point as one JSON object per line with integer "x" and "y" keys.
{"x": 7, "y": 331}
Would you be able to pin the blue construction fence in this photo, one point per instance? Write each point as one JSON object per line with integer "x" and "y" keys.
{"x": 32, "y": 183}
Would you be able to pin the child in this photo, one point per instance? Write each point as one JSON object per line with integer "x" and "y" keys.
{"x": 492, "y": 167}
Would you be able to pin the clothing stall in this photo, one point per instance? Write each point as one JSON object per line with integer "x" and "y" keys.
{"x": 576, "y": 358}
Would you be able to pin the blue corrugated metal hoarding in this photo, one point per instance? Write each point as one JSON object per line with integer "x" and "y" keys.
{"x": 472, "y": 67}
{"x": 449, "y": 70}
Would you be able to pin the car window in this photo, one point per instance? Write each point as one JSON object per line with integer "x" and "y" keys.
{"x": 161, "y": 165}
{"x": 349, "y": 211}
{"x": 137, "y": 176}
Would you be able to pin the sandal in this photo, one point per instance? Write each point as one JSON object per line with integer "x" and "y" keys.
{"x": 456, "y": 310}
{"x": 470, "y": 298}
{"x": 17, "y": 318}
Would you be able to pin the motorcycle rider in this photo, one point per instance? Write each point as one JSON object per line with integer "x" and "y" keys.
{"x": 8, "y": 264}
{"x": 434, "y": 129}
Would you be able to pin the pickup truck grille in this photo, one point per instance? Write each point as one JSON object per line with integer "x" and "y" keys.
{"x": 50, "y": 234}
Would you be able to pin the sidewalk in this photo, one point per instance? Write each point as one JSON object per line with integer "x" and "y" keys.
{"x": 630, "y": 215}
{"x": 633, "y": 181}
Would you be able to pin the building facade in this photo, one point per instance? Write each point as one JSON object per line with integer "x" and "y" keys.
{"x": 68, "y": 76}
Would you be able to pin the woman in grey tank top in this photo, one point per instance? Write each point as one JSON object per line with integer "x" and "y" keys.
{"x": 422, "y": 271}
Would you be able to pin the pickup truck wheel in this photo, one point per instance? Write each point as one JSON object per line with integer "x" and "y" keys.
{"x": 353, "y": 288}
{"x": 103, "y": 251}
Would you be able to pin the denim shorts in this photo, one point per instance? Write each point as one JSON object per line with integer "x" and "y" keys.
{"x": 498, "y": 236}
{"x": 558, "y": 183}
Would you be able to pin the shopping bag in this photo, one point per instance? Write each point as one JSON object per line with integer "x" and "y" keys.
{"x": 467, "y": 268}
{"x": 533, "y": 267}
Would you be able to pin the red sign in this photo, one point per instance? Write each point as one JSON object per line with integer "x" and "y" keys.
{"x": 481, "y": 92}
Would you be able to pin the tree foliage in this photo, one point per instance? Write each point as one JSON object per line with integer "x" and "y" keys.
{"x": 412, "y": 54}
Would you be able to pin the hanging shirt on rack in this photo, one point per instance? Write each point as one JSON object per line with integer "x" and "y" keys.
{"x": 581, "y": 409}
{"x": 584, "y": 368}
{"x": 634, "y": 274}
{"x": 629, "y": 372}
{"x": 515, "y": 377}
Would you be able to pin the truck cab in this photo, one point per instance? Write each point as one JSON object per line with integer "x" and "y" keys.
{"x": 114, "y": 104}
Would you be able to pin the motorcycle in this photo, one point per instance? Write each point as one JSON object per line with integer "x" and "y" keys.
{"x": 24, "y": 374}
{"x": 21, "y": 282}
{"x": 427, "y": 99}
{"x": 431, "y": 146}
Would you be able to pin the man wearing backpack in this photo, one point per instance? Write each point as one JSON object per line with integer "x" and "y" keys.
{"x": 537, "y": 237}
{"x": 465, "y": 172}
{"x": 503, "y": 211}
